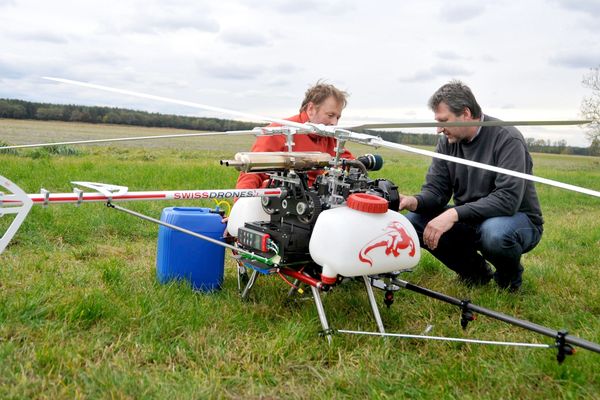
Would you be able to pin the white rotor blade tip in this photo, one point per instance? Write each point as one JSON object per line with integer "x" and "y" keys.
{"x": 20, "y": 211}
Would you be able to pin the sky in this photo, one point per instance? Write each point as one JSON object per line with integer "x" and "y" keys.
{"x": 524, "y": 60}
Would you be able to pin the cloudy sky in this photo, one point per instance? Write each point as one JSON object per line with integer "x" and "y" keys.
{"x": 523, "y": 59}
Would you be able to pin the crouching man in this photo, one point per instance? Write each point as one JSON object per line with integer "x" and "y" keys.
{"x": 495, "y": 217}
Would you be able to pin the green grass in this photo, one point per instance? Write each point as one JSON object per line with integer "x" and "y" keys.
{"x": 82, "y": 316}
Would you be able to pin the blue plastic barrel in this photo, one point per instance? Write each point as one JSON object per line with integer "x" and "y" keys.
{"x": 182, "y": 256}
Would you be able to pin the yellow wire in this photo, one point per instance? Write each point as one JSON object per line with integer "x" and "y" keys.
{"x": 227, "y": 206}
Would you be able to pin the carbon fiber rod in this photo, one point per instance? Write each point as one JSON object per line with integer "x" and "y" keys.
{"x": 595, "y": 347}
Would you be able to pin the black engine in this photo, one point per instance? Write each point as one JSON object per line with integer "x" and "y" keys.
{"x": 293, "y": 215}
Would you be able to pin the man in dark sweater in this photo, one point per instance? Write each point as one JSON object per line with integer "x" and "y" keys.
{"x": 495, "y": 217}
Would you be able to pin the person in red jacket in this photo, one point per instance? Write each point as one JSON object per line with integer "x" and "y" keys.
{"x": 323, "y": 104}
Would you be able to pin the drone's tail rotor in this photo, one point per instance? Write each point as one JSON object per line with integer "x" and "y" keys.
{"x": 20, "y": 208}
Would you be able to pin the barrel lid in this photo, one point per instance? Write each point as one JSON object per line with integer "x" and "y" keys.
{"x": 367, "y": 203}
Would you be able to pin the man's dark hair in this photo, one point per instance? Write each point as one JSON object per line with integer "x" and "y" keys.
{"x": 319, "y": 92}
{"x": 457, "y": 96}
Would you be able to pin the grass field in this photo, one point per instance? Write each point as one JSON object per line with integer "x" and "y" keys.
{"x": 82, "y": 316}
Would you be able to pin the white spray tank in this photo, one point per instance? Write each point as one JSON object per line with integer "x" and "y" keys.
{"x": 363, "y": 238}
{"x": 245, "y": 209}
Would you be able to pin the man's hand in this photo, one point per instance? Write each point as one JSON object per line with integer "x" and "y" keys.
{"x": 438, "y": 226}
{"x": 409, "y": 203}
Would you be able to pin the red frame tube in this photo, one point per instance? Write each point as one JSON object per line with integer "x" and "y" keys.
{"x": 302, "y": 278}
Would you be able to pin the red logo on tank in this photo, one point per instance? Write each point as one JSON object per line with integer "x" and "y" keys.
{"x": 394, "y": 239}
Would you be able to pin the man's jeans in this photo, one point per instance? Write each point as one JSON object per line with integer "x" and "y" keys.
{"x": 499, "y": 240}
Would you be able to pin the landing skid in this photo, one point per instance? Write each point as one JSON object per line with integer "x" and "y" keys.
{"x": 317, "y": 287}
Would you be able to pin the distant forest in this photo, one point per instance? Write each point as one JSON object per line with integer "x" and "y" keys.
{"x": 20, "y": 109}
{"x": 534, "y": 145}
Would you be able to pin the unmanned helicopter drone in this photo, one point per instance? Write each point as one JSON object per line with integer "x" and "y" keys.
{"x": 286, "y": 228}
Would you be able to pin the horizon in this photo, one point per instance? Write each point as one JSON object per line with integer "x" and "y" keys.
{"x": 257, "y": 57}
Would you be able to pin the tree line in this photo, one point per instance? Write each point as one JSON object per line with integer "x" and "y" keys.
{"x": 534, "y": 145}
{"x": 20, "y": 109}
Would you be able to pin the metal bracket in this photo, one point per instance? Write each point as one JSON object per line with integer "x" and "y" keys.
{"x": 46, "y": 195}
{"x": 105, "y": 189}
{"x": 327, "y": 332}
{"x": 564, "y": 349}
{"x": 79, "y": 194}
{"x": 378, "y": 282}
{"x": 289, "y": 133}
{"x": 289, "y": 139}
{"x": 467, "y": 314}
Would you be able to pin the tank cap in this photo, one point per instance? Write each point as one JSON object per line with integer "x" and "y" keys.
{"x": 367, "y": 203}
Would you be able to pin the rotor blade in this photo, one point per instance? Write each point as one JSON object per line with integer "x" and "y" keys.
{"x": 378, "y": 142}
{"x": 175, "y": 101}
{"x": 467, "y": 123}
{"x": 343, "y": 134}
{"x": 123, "y": 139}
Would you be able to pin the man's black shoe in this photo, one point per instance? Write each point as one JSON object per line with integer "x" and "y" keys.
{"x": 480, "y": 279}
{"x": 511, "y": 282}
